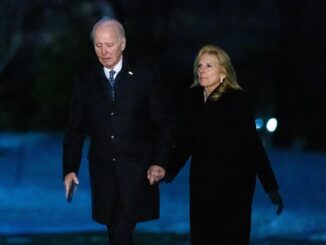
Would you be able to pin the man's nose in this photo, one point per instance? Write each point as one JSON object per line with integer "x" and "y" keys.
{"x": 104, "y": 51}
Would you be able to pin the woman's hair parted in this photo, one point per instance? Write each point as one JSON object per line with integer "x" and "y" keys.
{"x": 230, "y": 81}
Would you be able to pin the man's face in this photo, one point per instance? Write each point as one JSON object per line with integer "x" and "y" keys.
{"x": 108, "y": 45}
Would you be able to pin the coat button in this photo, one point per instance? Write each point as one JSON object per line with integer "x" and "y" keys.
{"x": 113, "y": 159}
{"x": 112, "y": 137}
{"x": 112, "y": 113}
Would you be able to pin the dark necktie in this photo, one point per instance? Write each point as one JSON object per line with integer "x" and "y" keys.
{"x": 111, "y": 78}
{"x": 111, "y": 81}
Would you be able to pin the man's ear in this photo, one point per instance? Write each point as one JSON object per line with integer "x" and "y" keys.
{"x": 123, "y": 44}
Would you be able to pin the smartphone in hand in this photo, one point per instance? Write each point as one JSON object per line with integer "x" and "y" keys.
{"x": 71, "y": 191}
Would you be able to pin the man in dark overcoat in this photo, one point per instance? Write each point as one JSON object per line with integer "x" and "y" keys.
{"x": 122, "y": 110}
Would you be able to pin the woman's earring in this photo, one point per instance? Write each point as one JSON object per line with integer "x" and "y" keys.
{"x": 222, "y": 80}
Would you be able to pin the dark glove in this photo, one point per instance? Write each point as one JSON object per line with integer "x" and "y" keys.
{"x": 277, "y": 200}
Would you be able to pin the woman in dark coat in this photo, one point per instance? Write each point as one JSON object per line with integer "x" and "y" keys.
{"x": 217, "y": 130}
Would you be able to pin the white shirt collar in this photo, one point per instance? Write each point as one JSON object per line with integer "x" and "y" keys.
{"x": 117, "y": 68}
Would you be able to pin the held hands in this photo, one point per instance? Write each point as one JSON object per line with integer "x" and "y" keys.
{"x": 69, "y": 178}
{"x": 155, "y": 173}
{"x": 277, "y": 200}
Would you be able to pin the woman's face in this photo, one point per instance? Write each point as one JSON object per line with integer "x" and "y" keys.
{"x": 210, "y": 72}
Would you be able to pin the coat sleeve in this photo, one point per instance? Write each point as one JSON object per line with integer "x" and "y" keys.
{"x": 75, "y": 133}
{"x": 161, "y": 118}
{"x": 256, "y": 149}
{"x": 181, "y": 147}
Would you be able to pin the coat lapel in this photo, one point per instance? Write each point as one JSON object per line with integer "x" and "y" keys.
{"x": 104, "y": 85}
{"x": 122, "y": 80}
{"x": 199, "y": 96}
{"x": 120, "y": 83}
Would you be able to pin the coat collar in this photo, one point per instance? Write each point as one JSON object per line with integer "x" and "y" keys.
{"x": 121, "y": 79}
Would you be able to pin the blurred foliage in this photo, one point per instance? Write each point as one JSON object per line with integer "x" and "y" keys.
{"x": 276, "y": 47}
{"x": 36, "y": 83}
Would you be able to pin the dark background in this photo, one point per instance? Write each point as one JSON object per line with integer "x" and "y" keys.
{"x": 277, "y": 48}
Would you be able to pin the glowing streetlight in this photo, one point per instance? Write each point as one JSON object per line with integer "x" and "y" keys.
{"x": 271, "y": 125}
{"x": 259, "y": 123}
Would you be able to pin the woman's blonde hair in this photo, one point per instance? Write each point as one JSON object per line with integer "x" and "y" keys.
{"x": 230, "y": 80}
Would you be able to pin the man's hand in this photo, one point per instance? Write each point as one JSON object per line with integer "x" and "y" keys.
{"x": 155, "y": 173}
{"x": 277, "y": 200}
{"x": 69, "y": 178}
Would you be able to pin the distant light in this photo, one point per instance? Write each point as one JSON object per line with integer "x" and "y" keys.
{"x": 259, "y": 123}
{"x": 271, "y": 125}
